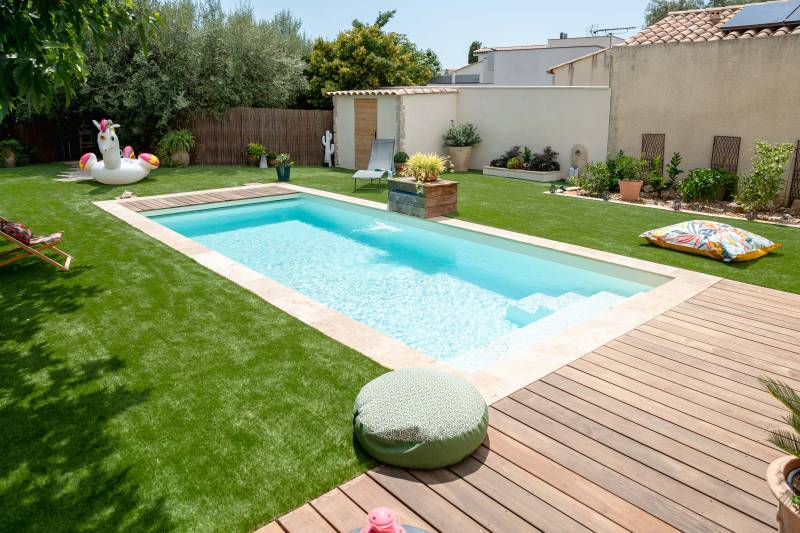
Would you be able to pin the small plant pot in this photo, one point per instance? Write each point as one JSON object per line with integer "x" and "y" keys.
{"x": 10, "y": 160}
{"x": 283, "y": 173}
{"x": 262, "y": 163}
{"x": 270, "y": 163}
{"x": 400, "y": 169}
{"x": 629, "y": 190}
{"x": 252, "y": 160}
{"x": 179, "y": 158}
{"x": 459, "y": 156}
{"x": 778, "y": 473}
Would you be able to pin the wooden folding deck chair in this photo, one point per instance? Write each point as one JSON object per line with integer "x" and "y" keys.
{"x": 36, "y": 248}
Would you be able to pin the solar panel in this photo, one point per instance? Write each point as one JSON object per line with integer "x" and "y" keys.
{"x": 794, "y": 17}
{"x": 761, "y": 15}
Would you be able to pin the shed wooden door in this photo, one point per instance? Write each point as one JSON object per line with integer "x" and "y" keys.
{"x": 366, "y": 121}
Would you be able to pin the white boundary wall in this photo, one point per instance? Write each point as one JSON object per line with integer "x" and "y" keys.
{"x": 560, "y": 117}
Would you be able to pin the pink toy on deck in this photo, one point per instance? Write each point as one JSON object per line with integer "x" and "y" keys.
{"x": 382, "y": 520}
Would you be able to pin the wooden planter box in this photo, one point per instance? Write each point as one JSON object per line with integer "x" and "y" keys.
{"x": 437, "y": 198}
{"x": 530, "y": 175}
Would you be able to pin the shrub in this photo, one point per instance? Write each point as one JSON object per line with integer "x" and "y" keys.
{"x": 462, "y": 135}
{"x": 272, "y": 155}
{"x": 11, "y": 146}
{"x": 400, "y": 158}
{"x": 595, "y": 178}
{"x": 256, "y": 150}
{"x": 759, "y": 189}
{"x": 701, "y": 185}
{"x": 652, "y": 176}
{"x": 426, "y": 166}
{"x": 527, "y": 156}
{"x": 547, "y": 161}
{"x": 625, "y": 167}
{"x": 283, "y": 160}
{"x": 502, "y": 161}
{"x": 176, "y": 141}
{"x": 515, "y": 163}
{"x": 672, "y": 169}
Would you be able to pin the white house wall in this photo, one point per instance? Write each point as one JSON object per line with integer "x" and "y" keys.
{"x": 427, "y": 118}
{"x": 560, "y": 117}
{"x": 345, "y": 132}
{"x": 529, "y": 67}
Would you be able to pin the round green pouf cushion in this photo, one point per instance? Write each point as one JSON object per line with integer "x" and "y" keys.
{"x": 420, "y": 418}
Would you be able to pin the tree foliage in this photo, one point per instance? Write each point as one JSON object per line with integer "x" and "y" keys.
{"x": 367, "y": 57}
{"x": 658, "y": 9}
{"x": 44, "y": 44}
{"x": 472, "y": 57}
{"x": 200, "y": 59}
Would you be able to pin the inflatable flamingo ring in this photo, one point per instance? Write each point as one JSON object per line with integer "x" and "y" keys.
{"x": 116, "y": 168}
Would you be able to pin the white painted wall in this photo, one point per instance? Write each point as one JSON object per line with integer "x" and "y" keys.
{"x": 427, "y": 117}
{"x": 529, "y": 67}
{"x": 560, "y": 117}
{"x": 344, "y": 131}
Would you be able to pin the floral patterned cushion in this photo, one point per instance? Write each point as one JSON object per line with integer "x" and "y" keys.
{"x": 712, "y": 239}
{"x": 18, "y": 231}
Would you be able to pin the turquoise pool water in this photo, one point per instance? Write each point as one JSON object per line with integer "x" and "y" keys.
{"x": 453, "y": 294}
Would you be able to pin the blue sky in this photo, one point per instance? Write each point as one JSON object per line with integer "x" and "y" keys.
{"x": 448, "y": 26}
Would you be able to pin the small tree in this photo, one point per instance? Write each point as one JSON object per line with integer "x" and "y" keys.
{"x": 43, "y": 45}
{"x": 759, "y": 189}
{"x": 367, "y": 57}
{"x": 472, "y": 57}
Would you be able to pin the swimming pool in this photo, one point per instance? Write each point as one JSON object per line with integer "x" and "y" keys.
{"x": 455, "y": 295}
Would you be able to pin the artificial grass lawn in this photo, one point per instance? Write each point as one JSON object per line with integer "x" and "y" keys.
{"x": 142, "y": 392}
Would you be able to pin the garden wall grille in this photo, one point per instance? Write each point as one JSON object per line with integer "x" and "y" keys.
{"x": 653, "y": 147}
{"x": 725, "y": 153}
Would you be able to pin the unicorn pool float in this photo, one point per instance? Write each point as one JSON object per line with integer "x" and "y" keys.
{"x": 116, "y": 168}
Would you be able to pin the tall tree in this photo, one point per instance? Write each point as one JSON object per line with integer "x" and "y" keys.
{"x": 471, "y": 55}
{"x": 43, "y": 44}
{"x": 658, "y": 9}
{"x": 367, "y": 57}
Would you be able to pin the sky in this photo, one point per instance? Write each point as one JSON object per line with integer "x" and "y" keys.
{"x": 448, "y": 26}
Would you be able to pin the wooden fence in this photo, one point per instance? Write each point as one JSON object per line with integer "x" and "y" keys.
{"x": 221, "y": 140}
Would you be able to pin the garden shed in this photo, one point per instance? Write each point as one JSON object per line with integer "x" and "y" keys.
{"x": 417, "y": 118}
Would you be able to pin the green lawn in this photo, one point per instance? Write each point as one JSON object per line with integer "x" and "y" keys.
{"x": 141, "y": 392}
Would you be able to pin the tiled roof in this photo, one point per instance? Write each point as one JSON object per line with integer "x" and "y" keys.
{"x": 505, "y": 48}
{"x": 394, "y": 91}
{"x": 702, "y": 25}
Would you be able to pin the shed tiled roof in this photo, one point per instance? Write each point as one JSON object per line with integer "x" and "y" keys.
{"x": 394, "y": 91}
{"x": 702, "y": 25}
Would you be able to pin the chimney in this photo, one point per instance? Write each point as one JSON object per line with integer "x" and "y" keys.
{"x": 562, "y": 35}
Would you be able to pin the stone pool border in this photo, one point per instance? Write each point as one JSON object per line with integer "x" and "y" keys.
{"x": 496, "y": 380}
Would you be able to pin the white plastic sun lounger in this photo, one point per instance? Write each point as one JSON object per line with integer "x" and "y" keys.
{"x": 381, "y": 163}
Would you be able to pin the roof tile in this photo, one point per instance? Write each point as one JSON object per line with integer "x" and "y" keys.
{"x": 394, "y": 91}
{"x": 701, "y": 25}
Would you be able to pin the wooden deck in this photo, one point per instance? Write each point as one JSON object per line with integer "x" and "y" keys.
{"x": 222, "y": 195}
{"x": 659, "y": 430}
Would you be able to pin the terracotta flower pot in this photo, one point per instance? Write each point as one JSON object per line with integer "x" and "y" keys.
{"x": 252, "y": 160}
{"x": 788, "y": 512}
{"x": 629, "y": 190}
{"x": 271, "y": 163}
{"x": 459, "y": 155}
{"x": 10, "y": 160}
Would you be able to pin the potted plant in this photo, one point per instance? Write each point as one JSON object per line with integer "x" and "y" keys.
{"x": 176, "y": 144}
{"x": 783, "y": 474}
{"x": 10, "y": 150}
{"x": 271, "y": 156}
{"x": 422, "y": 193}
{"x": 400, "y": 160}
{"x": 628, "y": 172}
{"x": 283, "y": 166}
{"x": 459, "y": 140}
{"x": 254, "y": 152}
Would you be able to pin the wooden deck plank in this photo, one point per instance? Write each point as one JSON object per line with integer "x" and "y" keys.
{"x": 484, "y": 510}
{"x": 272, "y": 527}
{"x": 565, "y": 504}
{"x": 428, "y": 504}
{"x": 764, "y": 292}
{"x": 512, "y": 418}
{"x": 367, "y": 494}
{"x": 716, "y": 474}
{"x": 717, "y": 387}
{"x": 739, "y": 311}
{"x": 339, "y": 511}
{"x": 640, "y": 416}
{"x": 738, "y": 299}
{"x": 726, "y": 505}
{"x": 753, "y": 325}
{"x": 304, "y": 519}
